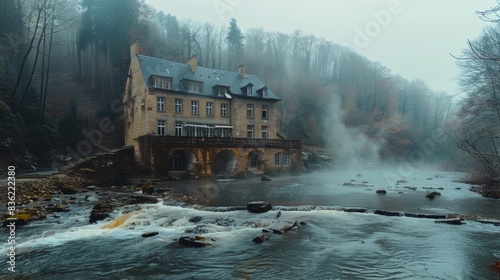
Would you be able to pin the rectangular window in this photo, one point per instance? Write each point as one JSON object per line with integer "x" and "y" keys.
{"x": 277, "y": 159}
{"x": 211, "y": 132}
{"x": 176, "y": 162}
{"x": 193, "y": 87}
{"x": 249, "y": 111}
{"x": 249, "y": 131}
{"x": 221, "y": 91}
{"x": 210, "y": 108}
{"x": 285, "y": 159}
{"x": 194, "y": 107}
{"x": 249, "y": 90}
{"x": 161, "y": 127}
{"x": 160, "y": 82}
{"x": 222, "y": 132}
{"x": 178, "y": 106}
{"x": 178, "y": 128}
{"x": 223, "y": 110}
{"x": 160, "y": 104}
{"x": 264, "y": 112}
{"x": 191, "y": 130}
{"x": 264, "y": 132}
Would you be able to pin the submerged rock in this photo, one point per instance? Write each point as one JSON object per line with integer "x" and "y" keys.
{"x": 149, "y": 234}
{"x": 195, "y": 242}
{"x": 265, "y": 178}
{"x": 195, "y": 219}
{"x": 200, "y": 229}
{"x": 387, "y": 213}
{"x": 455, "y": 221}
{"x": 283, "y": 226}
{"x": 432, "y": 195}
{"x": 260, "y": 239}
{"x": 487, "y": 221}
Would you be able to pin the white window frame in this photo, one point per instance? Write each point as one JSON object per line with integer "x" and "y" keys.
{"x": 223, "y": 110}
{"x": 286, "y": 159}
{"x": 161, "y": 127}
{"x": 160, "y": 104}
{"x": 178, "y": 128}
{"x": 265, "y": 112}
{"x": 264, "y": 132}
{"x": 221, "y": 91}
{"x": 250, "y": 110}
{"x": 249, "y": 90}
{"x": 194, "y": 107}
{"x": 209, "y": 108}
{"x": 161, "y": 82}
{"x": 277, "y": 159}
{"x": 250, "y": 130}
{"x": 193, "y": 86}
{"x": 178, "y": 106}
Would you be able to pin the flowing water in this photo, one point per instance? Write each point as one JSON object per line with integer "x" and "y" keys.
{"x": 330, "y": 245}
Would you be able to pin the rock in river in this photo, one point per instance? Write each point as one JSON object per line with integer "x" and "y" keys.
{"x": 192, "y": 242}
{"x": 455, "y": 221}
{"x": 149, "y": 234}
{"x": 259, "y": 206}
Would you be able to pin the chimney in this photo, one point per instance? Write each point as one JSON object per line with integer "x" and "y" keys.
{"x": 193, "y": 63}
{"x": 135, "y": 48}
{"x": 241, "y": 70}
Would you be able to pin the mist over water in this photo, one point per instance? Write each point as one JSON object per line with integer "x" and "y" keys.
{"x": 353, "y": 148}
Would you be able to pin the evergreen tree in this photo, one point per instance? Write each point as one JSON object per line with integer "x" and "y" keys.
{"x": 235, "y": 44}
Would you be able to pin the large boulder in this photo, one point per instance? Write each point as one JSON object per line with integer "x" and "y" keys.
{"x": 259, "y": 206}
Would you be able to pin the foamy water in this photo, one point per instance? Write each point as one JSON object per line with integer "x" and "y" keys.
{"x": 330, "y": 245}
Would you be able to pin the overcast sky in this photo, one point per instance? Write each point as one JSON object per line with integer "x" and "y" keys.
{"x": 413, "y": 38}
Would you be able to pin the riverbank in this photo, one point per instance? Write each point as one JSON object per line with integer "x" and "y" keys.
{"x": 36, "y": 197}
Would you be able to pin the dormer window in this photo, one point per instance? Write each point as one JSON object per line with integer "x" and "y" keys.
{"x": 162, "y": 82}
{"x": 193, "y": 86}
{"x": 247, "y": 90}
{"x": 221, "y": 91}
{"x": 263, "y": 92}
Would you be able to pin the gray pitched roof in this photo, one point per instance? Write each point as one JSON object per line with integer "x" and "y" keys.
{"x": 152, "y": 66}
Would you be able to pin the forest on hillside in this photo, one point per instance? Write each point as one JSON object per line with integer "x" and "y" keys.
{"x": 63, "y": 65}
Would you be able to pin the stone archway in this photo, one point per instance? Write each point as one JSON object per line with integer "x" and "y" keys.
{"x": 181, "y": 161}
{"x": 256, "y": 162}
{"x": 225, "y": 163}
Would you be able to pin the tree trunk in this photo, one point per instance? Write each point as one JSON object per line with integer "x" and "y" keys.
{"x": 25, "y": 57}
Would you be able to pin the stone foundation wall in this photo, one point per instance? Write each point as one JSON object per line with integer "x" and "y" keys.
{"x": 104, "y": 169}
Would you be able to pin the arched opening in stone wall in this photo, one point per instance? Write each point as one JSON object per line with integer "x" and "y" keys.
{"x": 181, "y": 161}
{"x": 225, "y": 164}
{"x": 256, "y": 162}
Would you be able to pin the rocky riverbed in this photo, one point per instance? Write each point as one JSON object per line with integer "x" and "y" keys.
{"x": 35, "y": 198}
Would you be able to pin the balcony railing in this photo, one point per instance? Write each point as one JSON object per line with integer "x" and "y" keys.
{"x": 222, "y": 142}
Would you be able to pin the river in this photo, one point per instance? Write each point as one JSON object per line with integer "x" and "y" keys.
{"x": 329, "y": 245}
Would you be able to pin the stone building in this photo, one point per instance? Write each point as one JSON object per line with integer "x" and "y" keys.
{"x": 184, "y": 119}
